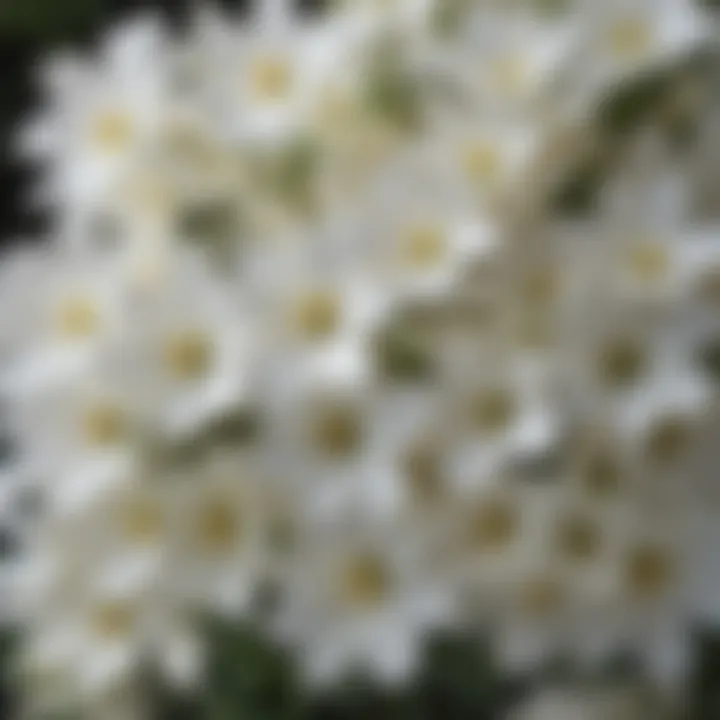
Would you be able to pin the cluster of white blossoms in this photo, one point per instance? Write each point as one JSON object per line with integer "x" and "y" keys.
{"x": 304, "y": 325}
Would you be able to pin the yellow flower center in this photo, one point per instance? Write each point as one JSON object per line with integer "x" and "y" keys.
{"x": 112, "y": 620}
{"x": 103, "y": 425}
{"x": 141, "y": 521}
{"x": 338, "y": 431}
{"x": 493, "y": 410}
{"x": 649, "y": 263}
{"x": 188, "y": 355}
{"x": 112, "y": 132}
{"x": 218, "y": 526}
{"x": 621, "y": 363}
{"x": 423, "y": 246}
{"x": 648, "y": 572}
{"x": 316, "y": 314}
{"x": 494, "y": 525}
{"x": 365, "y": 582}
{"x": 629, "y": 39}
{"x": 77, "y": 318}
{"x": 481, "y": 162}
{"x": 270, "y": 79}
{"x": 510, "y": 73}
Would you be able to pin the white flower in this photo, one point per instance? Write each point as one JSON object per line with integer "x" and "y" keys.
{"x": 641, "y": 370}
{"x": 321, "y": 311}
{"x": 95, "y": 623}
{"x": 492, "y": 539}
{"x": 81, "y": 436}
{"x": 66, "y": 308}
{"x": 263, "y": 82}
{"x": 498, "y": 416}
{"x": 486, "y": 160}
{"x": 622, "y": 38}
{"x": 357, "y": 597}
{"x": 504, "y": 59}
{"x": 344, "y": 448}
{"x": 255, "y": 222}
{"x": 417, "y": 229}
{"x": 109, "y": 634}
{"x": 100, "y": 118}
{"x": 650, "y": 249}
{"x": 222, "y": 532}
{"x": 184, "y": 357}
{"x": 652, "y": 606}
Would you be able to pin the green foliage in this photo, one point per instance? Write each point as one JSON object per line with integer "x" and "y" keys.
{"x": 213, "y": 221}
{"x": 8, "y": 649}
{"x": 459, "y": 680}
{"x": 248, "y": 677}
{"x": 633, "y": 103}
{"x": 704, "y": 703}
{"x": 402, "y": 357}
{"x": 652, "y": 99}
{"x": 46, "y": 18}
{"x": 392, "y": 94}
{"x": 289, "y": 175}
{"x": 576, "y": 196}
{"x": 294, "y": 173}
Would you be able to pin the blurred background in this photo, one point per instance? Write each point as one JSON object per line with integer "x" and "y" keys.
{"x": 248, "y": 678}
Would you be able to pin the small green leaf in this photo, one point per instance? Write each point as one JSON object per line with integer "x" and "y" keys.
{"x": 633, "y": 103}
{"x": 235, "y": 428}
{"x": 402, "y": 358}
{"x": 294, "y": 174}
{"x": 215, "y": 226}
{"x": 392, "y": 94}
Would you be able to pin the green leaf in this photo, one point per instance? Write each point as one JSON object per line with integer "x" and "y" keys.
{"x": 633, "y": 103}
{"x": 459, "y": 680}
{"x": 578, "y": 194}
{"x": 294, "y": 174}
{"x": 249, "y": 677}
{"x": 402, "y": 357}
{"x": 392, "y": 94}
{"x": 216, "y": 226}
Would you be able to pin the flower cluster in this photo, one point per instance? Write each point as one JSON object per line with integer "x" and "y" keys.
{"x": 306, "y": 329}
